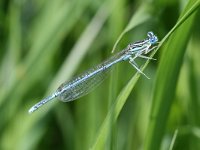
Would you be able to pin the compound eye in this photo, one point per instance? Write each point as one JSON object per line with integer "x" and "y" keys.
{"x": 154, "y": 40}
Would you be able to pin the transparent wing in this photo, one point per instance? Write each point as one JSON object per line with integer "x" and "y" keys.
{"x": 83, "y": 88}
{"x": 86, "y": 82}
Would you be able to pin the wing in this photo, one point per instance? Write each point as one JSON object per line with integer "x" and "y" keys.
{"x": 88, "y": 81}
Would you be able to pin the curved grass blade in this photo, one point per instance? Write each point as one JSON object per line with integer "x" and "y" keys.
{"x": 115, "y": 109}
{"x": 167, "y": 76}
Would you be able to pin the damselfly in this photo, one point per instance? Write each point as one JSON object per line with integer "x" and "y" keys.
{"x": 84, "y": 83}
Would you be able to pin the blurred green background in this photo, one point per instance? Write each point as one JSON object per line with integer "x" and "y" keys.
{"x": 44, "y": 43}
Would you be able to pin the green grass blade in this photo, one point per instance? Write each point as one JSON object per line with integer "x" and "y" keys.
{"x": 167, "y": 76}
{"x": 121, "y": 99}
{"x": 114, "y": 111}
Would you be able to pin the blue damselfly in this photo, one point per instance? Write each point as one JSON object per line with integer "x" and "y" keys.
{"x": 84, "y": 83}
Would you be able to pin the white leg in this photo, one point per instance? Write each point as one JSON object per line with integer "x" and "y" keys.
{"x": 148, "y": 50}
{"x": 137, "y": 55}
{"x": 133, "y": 63}
{"x": 145, "y": 57}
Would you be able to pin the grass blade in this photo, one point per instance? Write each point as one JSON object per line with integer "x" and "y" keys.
{"x": 167, "y": 76}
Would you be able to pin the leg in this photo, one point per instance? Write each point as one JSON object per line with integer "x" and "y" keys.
{"x": 133, "y": 63}
{"x": 138, "y": 54}
{"x": 145, "y": 57}
{"x": 148, "y": 50}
